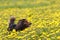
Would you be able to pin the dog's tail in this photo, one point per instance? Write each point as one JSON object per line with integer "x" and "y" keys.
{"x": 11, "y": 23}
{"x": 12, "y": 19}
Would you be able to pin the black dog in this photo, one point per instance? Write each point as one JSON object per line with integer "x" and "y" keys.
{"x": 21, "y": 25}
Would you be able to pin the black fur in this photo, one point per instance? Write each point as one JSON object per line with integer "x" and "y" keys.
{"x": 21, "y": 25}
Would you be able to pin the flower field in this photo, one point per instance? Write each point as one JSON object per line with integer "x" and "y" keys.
{"x": 43, "y": 14}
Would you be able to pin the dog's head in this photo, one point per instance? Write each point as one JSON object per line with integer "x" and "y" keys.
{"x": 25, "y": 23}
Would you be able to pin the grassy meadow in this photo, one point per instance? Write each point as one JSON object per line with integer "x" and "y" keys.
{"x": 43, "y": 14}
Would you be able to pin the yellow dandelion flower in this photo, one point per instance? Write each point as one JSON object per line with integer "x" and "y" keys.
{"x": 39, "y": 39}
{"x": 58, "y": 37}
{"x": 44, "y": 33}
{"x": 14, "y": 30}
{"x": 33, "y": 35}
{"x": 19, "y": 37}
{"x": 48, "y": 35}
{"x": 0, "y": 38}
{"x": 48, "y": 39}
{"x": 52, "y": 31}
{"x": 57, "y": 31}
